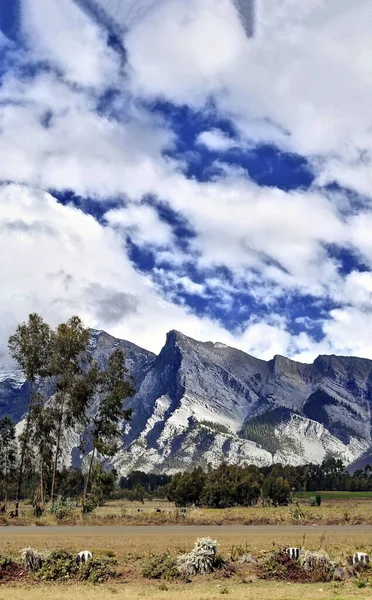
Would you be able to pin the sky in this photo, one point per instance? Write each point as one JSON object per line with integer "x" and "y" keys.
{"x": 199, "y": 165}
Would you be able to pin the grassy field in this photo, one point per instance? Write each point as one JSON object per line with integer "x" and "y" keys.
{"x": 196, "y": 591}
{"x": 131, "y": 548}
{"x": 336, "y": 495}
{"x": 337, "y": 508}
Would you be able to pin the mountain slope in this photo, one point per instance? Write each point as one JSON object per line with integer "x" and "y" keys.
{"x": 198, "y": 403}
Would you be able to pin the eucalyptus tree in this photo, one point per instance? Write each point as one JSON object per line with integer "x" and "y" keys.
{"x": 74, "y": 382}
{"x": 112, "y": 387}
{"x": 30, "y": 347}
{"x": 43, "y": 429}
{"x": 8, "y": 453}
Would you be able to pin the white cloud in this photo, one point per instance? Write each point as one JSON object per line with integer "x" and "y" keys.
{"x": 142, "y": 223}
{"x": 80, "y": 149}
{"x": 62, "y": 262}
{"x": 216, "y": 140}
{"x": 304, "y": 83}
{"x": 182, "y": 48}
{"x": 61, "y": 34}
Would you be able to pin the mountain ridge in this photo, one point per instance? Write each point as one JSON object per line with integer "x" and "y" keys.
{"x": 203, "y": 402}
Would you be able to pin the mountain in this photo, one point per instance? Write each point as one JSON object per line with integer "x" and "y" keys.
{"x": 202, "y": 402}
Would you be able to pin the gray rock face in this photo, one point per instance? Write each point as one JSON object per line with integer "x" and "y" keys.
{"x": 198, "y": 403}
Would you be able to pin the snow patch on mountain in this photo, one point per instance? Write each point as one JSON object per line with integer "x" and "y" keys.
{"x": 13, "y": 377}
{"x": 199, "y": 403}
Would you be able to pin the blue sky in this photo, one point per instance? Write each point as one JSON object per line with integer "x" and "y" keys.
{"x": 163, "y": 168}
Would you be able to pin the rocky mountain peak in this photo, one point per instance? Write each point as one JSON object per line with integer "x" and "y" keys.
{"x": 203, "y": 402}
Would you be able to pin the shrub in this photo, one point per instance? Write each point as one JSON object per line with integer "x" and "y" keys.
{"x": 5, "y": 562}
{"x": 201, "y": 559}
{"x": 32, "y": 559}
{"x": 160, "y": 566}
{"x": 62, "y": 508}
{"x": 312, "y": 567}
{"x": 296, "y": 512}
{"x": 238, "y": 551}
{"x": 319, "y": 563}
{"x": 279, "y": 565}
{"x": 97, "y": 570}
{"x": 90, "y": 504}
{"x": 312, "y": 501}
{"x": 59, "y": 564}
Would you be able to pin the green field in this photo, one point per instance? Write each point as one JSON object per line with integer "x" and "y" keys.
{"x": 335, "y": 495}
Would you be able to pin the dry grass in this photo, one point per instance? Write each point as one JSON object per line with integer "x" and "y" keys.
{"x": 333, "y": 511}
{"x": 131, "y": 546}
{"x": 194, "y": 591}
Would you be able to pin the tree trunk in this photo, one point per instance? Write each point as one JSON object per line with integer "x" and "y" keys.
{"x": 6, "y": 480}
{"x": 55, "y": 463}
{"x": 88, "y": 477}
{"x": 23, "y": 450}
{"x": 41, "y": 482}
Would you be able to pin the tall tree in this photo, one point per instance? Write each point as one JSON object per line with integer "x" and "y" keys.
{"x": 112, "y": 388}
{"x": 73, "y": 384}
{"x": 30, "y": 346}
{"x": 8, "y": 452}
{"x": 42, "y": 437}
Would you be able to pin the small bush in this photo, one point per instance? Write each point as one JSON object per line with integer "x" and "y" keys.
{"x": 160, "y": 566}
{"x": 279, "y": 565}
{"x": 97, "y": 570}
{"x": 5, "y": 562}
{"x": 312, "y": 501}
{"x": 32, "y": 559}
{"x": 237, "y": 551}
{"x": 296, "y": 512}
{"x": 318, "y": 564}
{"x": 312, "y": 567}
{"x": 58, "y": 565}
{"x": 62, "y": 508}
{"x": 200, "y": 560}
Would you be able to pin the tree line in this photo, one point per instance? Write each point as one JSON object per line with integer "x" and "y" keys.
{"x": 64, "y": 384}
{"x": 231, "y": 485}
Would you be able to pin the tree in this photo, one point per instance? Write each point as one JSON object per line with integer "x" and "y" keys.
{"x": 74, "y": 384}
{"x": 186, "y": 489}
{"x": 277, "y": 490}
{"x": 112, "y": 388}
{"x": 138, "y": 494}
{"x": 8, "y": 452}
{"x": 30, "y": 346}
{"x": 42, "y": 437}
{"x": 103, "y": 483}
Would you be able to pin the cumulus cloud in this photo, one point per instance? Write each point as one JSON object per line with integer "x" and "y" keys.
{"x": 63, "y": 35}
{"x": 216, "y": 140}
{"x": 74, "y": 117}
{"x": 63, "y": 262}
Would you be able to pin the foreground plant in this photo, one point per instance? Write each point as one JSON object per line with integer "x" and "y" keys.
{"x": 201, "y": 559}
{"x": 32, "y": 559}
{"x": 160, "y": 566}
